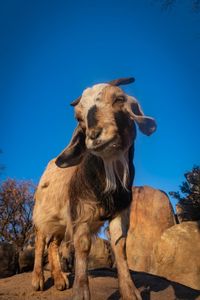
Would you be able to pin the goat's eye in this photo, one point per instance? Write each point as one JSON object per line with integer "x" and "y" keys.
{"x": 120, "y": 99}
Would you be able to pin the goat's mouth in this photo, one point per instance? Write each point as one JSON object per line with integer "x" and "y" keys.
{"x": 105, "y": 148}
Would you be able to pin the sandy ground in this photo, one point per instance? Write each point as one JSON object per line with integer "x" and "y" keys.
{"x": 103, "y": 285}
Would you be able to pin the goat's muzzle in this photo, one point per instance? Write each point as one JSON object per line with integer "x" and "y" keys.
{"x": 103, "y": 148}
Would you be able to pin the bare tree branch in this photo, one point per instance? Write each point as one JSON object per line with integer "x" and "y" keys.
{"x": 167, "y": 5}
{"x": 16, "y": 203}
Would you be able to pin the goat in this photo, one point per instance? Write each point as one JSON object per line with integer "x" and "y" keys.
{"x": 96, "y": 186}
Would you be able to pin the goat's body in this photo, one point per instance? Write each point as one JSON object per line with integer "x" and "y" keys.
{"x": 67, "y": 198}
{"x": 75, "y": 201}
{"x": 64, "y": 197}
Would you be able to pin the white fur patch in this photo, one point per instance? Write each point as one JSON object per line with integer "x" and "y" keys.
{"x": 112, "y": 172}
{"x": 90, "y": 95}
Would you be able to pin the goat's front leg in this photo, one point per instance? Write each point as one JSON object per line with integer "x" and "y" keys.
{"x": 60, "y": 279}
{"x": 82, "y": 244}
{"x": 118, "y": 230}
{"x": 37, "y": 275}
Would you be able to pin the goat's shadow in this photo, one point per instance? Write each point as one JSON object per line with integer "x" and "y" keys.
{"x": 49, "y": 282}
{"x": 147, "y": 283}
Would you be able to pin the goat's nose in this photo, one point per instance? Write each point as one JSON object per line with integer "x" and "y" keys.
{"x": 95, "y": 133}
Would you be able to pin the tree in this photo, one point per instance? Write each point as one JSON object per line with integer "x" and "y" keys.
{"x": 194, "y": 5}
{"x": 16, "y": 204}
{"x": 189, "y": 196}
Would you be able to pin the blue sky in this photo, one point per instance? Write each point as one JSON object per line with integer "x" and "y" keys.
{"x": 52, "y": 50}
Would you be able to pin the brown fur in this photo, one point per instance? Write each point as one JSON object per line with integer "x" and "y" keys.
{"x": 75, "y": 201}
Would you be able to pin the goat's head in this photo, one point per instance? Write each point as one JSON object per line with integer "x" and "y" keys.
{"x": 106, "y": 128}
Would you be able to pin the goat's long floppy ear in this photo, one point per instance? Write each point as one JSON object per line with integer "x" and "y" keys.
{"x": 73, "y": 153}
{"x": 147, "y": 125}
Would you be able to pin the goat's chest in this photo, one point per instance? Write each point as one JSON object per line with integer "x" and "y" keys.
{"x": 114, "y": 203}
{"x": 95, "y": 209}
{"x": 88, "y": 200}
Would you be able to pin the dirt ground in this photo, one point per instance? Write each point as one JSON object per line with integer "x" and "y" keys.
{"x": 103, "y": 286}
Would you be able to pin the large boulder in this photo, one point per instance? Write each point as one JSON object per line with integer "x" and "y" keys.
{"x": 151, "y": 214}
{"x": 100, "y": 254}
{"x": 176, "y": 255}
{"x": 8, "y": 260}
{"x": 26, "y": 259}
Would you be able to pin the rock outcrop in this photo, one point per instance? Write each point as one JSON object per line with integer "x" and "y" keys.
{"x": 100, "y": 254}
{"x": 103, "y": 286}
{"x": 26, "y": 259}
{"x": 151, "y": 214}
{"x": 177, "y": 254}
{"x": 8, "y": 260}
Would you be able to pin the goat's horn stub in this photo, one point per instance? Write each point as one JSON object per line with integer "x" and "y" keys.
{"x": 75, "y": 102}
{"x": 122, "y": 81}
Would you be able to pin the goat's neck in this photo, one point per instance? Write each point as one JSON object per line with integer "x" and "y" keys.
{"x": 108, "y": 175}
{"x": 88, "y": 187}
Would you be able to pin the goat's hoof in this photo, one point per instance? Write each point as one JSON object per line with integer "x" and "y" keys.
{"x": 38, "y": 281}
{"x": 81, "y": 293}
{"x": 61, "y": 281}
